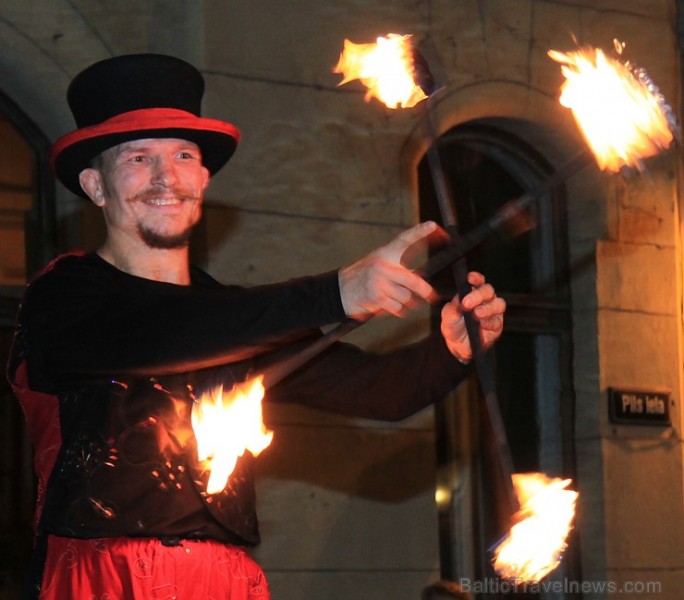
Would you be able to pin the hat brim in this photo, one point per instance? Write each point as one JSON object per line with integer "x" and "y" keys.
{"x": 74, "y": 152}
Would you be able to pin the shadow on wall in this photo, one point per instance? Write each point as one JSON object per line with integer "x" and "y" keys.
{"x": 375, "y": 464}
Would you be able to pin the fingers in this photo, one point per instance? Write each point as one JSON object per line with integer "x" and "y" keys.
{"x": 486, "y": 306}
{"x": 488, "y": 310}
{"x": 404, "y": 293}
{"x": 373, "y": 285}
{"x": 392, "y": 289}
{"x": 380, "y": 283}
{"x": 409, "y": 242}
{"x": 454, "y": 331}
{"x": 490, "y": 315}
{"x": 481, "y": 292}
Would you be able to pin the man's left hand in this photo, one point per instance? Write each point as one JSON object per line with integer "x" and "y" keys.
{"x": 488, "y": 310}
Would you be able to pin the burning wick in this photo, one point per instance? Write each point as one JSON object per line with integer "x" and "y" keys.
{"x": 226, "y": 425}
{"x": 620, "y": 111}
{"x": 535, "y": 543}
{"x": 385, "y": 68}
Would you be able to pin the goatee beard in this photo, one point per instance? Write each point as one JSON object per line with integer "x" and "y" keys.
{"x": 161, "y": 241}
{"x": 157, "y": 240}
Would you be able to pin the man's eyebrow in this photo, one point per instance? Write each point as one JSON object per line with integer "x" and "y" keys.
{"x": 190, "y": 146}
{"x": 131, "y": 150}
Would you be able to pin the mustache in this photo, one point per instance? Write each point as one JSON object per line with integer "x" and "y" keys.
{"x": 175, "y": 192}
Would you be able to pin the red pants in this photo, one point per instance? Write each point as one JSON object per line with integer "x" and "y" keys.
{"x": 145, "y": 569}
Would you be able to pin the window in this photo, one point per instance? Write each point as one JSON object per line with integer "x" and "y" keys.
{"x": 486, "y": 167}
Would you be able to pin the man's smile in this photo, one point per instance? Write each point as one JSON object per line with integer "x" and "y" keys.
{"x": 164, "y": 201}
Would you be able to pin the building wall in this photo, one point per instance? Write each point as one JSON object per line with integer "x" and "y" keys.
{"x": 321, "y": 177}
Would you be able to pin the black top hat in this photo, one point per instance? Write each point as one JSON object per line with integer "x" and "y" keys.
{"x": 132, "y": 97}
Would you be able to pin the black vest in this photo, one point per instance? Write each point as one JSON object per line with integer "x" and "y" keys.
{"x": 128, "y": 466}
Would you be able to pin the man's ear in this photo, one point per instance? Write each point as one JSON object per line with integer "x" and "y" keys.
{"x": 91, "y": 182}
{"x": 207, "y": 178}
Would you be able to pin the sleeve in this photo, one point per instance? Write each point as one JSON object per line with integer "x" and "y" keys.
{"x": 388, "y": 387}
{"x": 83, "y": 322}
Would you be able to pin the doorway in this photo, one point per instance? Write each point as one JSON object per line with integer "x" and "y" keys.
{"x": 27, "y": 242}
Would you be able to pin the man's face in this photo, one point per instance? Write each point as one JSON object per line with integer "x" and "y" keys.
{"x": 151, "y": 190}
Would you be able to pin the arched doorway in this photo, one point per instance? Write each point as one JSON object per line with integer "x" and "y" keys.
{"x": 27, "y": 242}
{"x": 485, "y": 167}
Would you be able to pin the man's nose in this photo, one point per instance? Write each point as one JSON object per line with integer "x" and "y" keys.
{"x": 164, "y": 172}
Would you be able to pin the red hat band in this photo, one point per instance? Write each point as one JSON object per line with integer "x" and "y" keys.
{"x": 141, "y": 120}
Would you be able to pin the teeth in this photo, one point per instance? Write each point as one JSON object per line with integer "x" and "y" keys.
{"x": 164, "y": 201}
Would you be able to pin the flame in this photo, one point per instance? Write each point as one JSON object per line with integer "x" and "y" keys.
{"x": 226, "y": 425}
{"x": 385, "y": 68}
{"x": 534, "y": 545}
{"x": 619, "y": 110}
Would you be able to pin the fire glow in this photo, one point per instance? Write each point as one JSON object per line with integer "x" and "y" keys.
{"x": 226, "y": 424}
{"x": 617, "y": 107}
{"x": 535, "y": 543}
{"x": 385, "y": 68}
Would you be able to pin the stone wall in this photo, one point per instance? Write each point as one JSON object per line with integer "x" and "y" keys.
{"x": 321, "y": 177}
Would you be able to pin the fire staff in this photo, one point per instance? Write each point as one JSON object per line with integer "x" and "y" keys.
{"x": 113, "y": 347}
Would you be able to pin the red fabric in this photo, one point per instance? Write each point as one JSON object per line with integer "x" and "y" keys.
{"x": 141, "y": 120}
{"x": 145, "y": 569}
{"x": 42, "y": 420}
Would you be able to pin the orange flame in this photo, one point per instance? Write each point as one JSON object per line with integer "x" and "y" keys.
{"x": 226, "y": 425}
{"x": 619, "y": 110}
{"x": 385, "y": 68}
{"x": 534, "y": 545}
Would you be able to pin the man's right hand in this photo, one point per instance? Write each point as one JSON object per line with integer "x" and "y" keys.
{"x": 381, "y": 283}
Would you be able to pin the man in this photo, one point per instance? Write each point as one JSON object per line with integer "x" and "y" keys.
{"x": 113, "y": 348}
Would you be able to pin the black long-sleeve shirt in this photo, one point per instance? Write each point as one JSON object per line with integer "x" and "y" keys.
{"x": 125, "y": 357}
{"x": 88, "y": 319}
